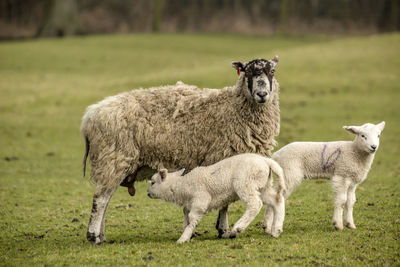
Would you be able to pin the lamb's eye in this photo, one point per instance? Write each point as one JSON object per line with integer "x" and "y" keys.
{"x": 363, "y": 136}
{"x": 379, "y": 135}
{"x": 152, "y": 182}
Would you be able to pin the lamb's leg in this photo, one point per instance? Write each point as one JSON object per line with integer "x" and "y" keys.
{"x": 185, "y": 218}
{"x": 340, "y": 186}
{"x": 222, "y": 222}
{"x": 101, "y": 199}
{"x": 268, "y": 219}
{"x": 348, "y": 208}
{"x": 194, "y": 217}
{"x": 279, "y": 217}
{"x": 253, "y": 207}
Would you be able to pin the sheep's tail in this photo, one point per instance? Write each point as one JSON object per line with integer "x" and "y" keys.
{"x": 276, "y": 168}
{"x": 86, "y": 155}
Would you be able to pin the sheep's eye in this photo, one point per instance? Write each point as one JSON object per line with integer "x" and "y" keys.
{"x": 272, "y": 72}
{"x": 257, "y": 72}
{"x": 152, "y": 182}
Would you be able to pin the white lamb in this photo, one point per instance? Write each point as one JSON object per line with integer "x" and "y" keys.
{"x": 346, "y": 163}
{"x": 204, "y": 189}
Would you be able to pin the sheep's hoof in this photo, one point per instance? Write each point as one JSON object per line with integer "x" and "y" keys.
{"x": 221, "y": 232}
{"x": 350, "y": 225}
{"x": 228, "y": 234}
{"x": 91, "y": 237}
{"x": 102, "y": 238}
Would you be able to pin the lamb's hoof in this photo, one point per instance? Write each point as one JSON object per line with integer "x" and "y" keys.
{"x": 350, "y": 225}
{"x": 181, "y": 241}
{"x": 267, "y": 230}
{"x": 277, "y": 233}
{"x": 91, "y": 237}
{"x": 338, "y": 226}
{"x": 228, "y": 234}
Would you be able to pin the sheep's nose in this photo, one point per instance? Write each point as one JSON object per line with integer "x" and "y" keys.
{"x": 262, "y": 94}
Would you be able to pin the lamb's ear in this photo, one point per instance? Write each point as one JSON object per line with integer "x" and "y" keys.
{"x": 352, "y": 129}
{"x": 180, "y": 172}
{"x": 163, "y": 174}
{"x": 381, "y": 125}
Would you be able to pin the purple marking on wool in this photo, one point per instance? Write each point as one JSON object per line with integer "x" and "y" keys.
{"x": 331, "y": 160}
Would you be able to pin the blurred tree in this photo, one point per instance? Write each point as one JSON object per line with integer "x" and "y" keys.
{"x": 283, "y": 20}
{"x": 157, "y": 14}
{"x": 61, "y": 18}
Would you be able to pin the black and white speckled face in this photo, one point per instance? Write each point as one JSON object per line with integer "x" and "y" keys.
{"x": 259, "y": 74}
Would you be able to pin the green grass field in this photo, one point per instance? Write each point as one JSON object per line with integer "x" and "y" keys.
{"x": 326, "y": 82}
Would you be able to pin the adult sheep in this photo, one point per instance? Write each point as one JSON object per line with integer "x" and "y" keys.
{"x": 176, "y": 127}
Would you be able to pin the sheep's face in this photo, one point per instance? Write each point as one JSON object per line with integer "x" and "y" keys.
{"x": 367, "y": 136}
{"x": 258, "y": 75}
{"x": 158, "y": 183}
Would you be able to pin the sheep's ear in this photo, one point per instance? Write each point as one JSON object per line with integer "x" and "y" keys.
{"x": 163, "y": 174}
{"x": 237, "y": 65}
{"x": 381, "y": 125}
{"x": 352, "y": 129}
{"x": 275, "y": 61}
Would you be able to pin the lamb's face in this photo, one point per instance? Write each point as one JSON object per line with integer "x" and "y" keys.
{"x": 367, "y": 136}
{"x": 156, "y": 181}
{"x": 258, "y": 75}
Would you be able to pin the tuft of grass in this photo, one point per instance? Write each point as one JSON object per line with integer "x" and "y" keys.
{"x": 326, "y": 83}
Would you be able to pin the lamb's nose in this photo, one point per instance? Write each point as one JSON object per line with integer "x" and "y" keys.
{"x": 373, "y": 147}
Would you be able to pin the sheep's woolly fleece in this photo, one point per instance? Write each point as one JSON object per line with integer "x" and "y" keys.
{"x": 176, "y": 126}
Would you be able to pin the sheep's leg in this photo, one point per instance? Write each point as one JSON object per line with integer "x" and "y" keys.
{"x": 101, "y": 199}
{"x": 253, "y": 207}
{"x": 222, "y": 222}
{"x": 340, "y": 186}
{"x": 279, "y": 217}
{"x": 348, "y": 208}
{"x": 268, "y": 219}
{"x": 103, "y": 226}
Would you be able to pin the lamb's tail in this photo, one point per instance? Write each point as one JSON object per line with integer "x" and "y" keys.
{"x": 86, "y": 155}
{"x": 276, "y": 168}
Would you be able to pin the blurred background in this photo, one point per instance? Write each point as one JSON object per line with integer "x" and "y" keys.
{"x": 32, "y": 18}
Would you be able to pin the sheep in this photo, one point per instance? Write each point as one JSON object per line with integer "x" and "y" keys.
{"x": 177, "y": 126}
{"x": 346, "y": 163}
{"x": 244, "y": 176}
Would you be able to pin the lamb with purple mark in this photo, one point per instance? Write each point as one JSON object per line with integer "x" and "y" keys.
{"x": 345, "y": 163}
